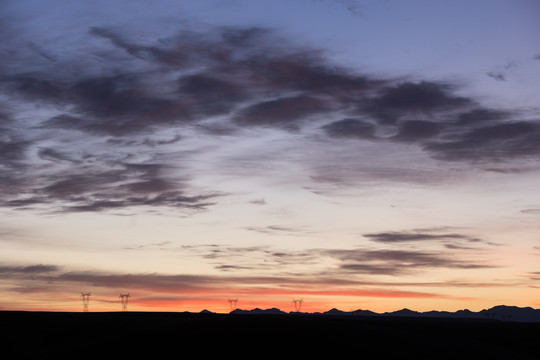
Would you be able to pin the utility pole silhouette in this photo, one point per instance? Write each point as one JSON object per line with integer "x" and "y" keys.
{"x": 85, "y": 300}
{"x": 298, "y": 304}
{"x": 124, "y": 300}
{"x": 233, "y": 304}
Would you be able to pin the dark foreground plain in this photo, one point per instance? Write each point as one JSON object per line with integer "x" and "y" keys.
{"x": 156, "y": 335}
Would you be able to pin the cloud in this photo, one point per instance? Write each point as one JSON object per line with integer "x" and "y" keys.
{"x": 398, "y": 262}
{"x": 501, "y": 72}
{"x": 415, "y": 130}
{"x": 530, "y": 211}
{"x": 420, "y": 98}
{"x": 275, "y": 229}
{"x": 352, "y": 6}
{"x": 54, "y": 155}
{"x": 350, "y": 128}
{"x": 128, "y": 186}
{"x": 444, "y": 251}
{"x": 130, "y": 91}
{"x": 36, "y": 88}
{"x": 253, "y": 258}
{"x": 499, "y": 76}
{"x": 172, "y": 200}
{"x": 113, "y": 105}
{"x": 534, "y": 276}
{"x": 28, "y": 269}
{"x": 32, "y": 279}
{"x": 403, "y": 237}
{"x": 260, "y": 202}
{"x": 282, "y": 112}
{"x": 481, "y": 115}
{"x": 495, "y": 142}
{"x": 13, "y": 150}
{"x": 163, "y": 290}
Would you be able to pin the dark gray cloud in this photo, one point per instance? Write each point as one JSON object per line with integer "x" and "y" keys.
{"x": 238, "y": 72}
{"x": 500, "y": 73}
{"x": 211, "y": 95}
{"x": 481, "y": 115}
{"x": 28, "y": 269}
{"x": 132, "y": 185}
{"x": 307, "y": 70}
{"x": 276, "y": 229}
{"x": 166, "y": 199}
{"x": 13, "y": 146}
{"x": 419, "y": 98}
{"x": 218, "y": 81}
{"x": 13, "y": 149}
{"x": 39, "y": 278}
{"x": 448, "y": 251}
{"x": 351, "y": 128}
{"x": 54, "y": 155}
{"x": 415, "y": 130}
{"x": 406, "y": 236}
{"x": 497, "y": 75}
{"x": 37, "y": 88}
{"x": 115, "y": 105}
{"x": 282, "y": 112}
{"x": 33, "y": 277}
{"x": 451, "y": 133}
{"x": 534, "y": 276}
{"x": 530, "y": 211}
{"x": 494, "y": 142}
{"x": 398, "y": 262}
{"x": 255, "y": 258}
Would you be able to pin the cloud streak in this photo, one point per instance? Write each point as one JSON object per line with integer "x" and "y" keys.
{"x": 31, "y": 279}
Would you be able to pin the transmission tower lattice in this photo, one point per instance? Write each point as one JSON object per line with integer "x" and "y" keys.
{"x": 124, "y": 300}
{"x": 85, "y": 300}
{"x": 298, "y": 304}
{"x": 233, "y": 304}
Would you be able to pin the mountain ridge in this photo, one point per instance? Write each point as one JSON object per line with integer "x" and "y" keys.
{"x": 498, "y": 312}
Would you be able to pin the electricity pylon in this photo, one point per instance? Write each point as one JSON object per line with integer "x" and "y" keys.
{"x": 232, "y": 303}
{"x": 298, "y": 304}
{"x": 124, "y": 300}
{"x": 85, "y": 300}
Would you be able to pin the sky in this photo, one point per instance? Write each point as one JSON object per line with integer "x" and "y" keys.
{"x": 362, "y": 154}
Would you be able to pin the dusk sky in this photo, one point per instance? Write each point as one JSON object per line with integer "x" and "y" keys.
{"x": 356, "y": 154}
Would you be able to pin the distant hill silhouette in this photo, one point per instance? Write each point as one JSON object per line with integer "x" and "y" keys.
{"x": 500, "y": 312}
{"x": 257, "y": 311}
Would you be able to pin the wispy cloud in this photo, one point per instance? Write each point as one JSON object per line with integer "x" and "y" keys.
{"x": 449, "y": 251}
{"x": 425, "y": 235}
{"x": 399, "y": 262}
{"x": 38, "y": 269}
{"x": 32, "y": 279}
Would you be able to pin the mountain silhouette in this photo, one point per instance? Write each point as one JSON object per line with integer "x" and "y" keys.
{"x": 499, "y": 312}
{"x": 257, "y": 311}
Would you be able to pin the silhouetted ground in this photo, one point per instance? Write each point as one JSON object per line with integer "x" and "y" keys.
{"x": 47, "y": 335}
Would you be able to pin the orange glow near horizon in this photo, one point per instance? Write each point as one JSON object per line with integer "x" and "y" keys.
{"x": 216, "y": 301}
